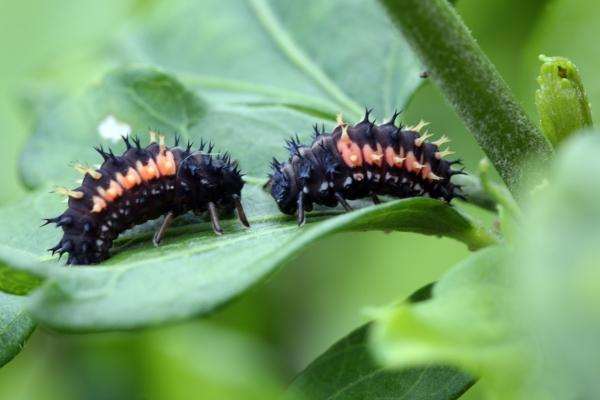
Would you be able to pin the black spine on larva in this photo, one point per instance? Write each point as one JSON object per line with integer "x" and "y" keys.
{"x": 199, "y": 178}
{"x": 322, "y": 172}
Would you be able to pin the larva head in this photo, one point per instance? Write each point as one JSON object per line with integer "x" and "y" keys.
{"x": 283, "y": 188}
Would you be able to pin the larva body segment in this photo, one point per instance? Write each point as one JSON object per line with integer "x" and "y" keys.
{"x": 140, "y": 185}
{"x": 359, "y": 161}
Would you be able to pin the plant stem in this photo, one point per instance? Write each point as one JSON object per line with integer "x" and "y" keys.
{"x": 474, "y": 87}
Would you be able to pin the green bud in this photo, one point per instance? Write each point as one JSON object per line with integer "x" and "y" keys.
{"x": 561, "y": 100}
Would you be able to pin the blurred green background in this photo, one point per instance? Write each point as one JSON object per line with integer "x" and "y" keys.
{"x": 255, "y": 346}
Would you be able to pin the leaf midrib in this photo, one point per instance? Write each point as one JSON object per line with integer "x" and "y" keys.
{"x": 298, "y": 57}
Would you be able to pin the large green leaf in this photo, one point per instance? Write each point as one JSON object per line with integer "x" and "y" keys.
{"x": 260, "y": 76}
{"x": 136, "y": 99}
{"x": 526, "y": 321}
{"x": 15, "y": 326}
{"x": 467, "y": 324}
{"x": 348, "y": 371}
{"x": 263, "y": 68}
{"x": 329, "y": 56}
{"x": 558, "y": 274}
{"x": 193, "y": 271}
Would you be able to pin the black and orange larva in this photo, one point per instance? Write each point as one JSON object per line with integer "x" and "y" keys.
{"x": 362, "y": 160}
{"x": 140, "y": 185}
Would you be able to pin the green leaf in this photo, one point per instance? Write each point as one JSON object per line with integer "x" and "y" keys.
{"x": 276, "y": 78}
{"x": 17, "y": 282}
{"x": 264, "y": 76}
{"x": 127, "y": 100}
{"x": 561, "y": 100}
{"x": 263, "y": 51}
{"x": 525, "y": 321}
{"x": 15, "y": 326}
{"x": 465, "y": 324}
{"x": 347, "y": 370}
{"x": 194, "y": 271}
{"x": 558, "y": 274}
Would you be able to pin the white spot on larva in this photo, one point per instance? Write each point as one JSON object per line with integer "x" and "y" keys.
{"x": 330, "y": 184}
{"x": 348, "y": 181}
{"x": 305, "y": 189}
{"x": 323, "y": 186}
{"x": 112, "y": 129}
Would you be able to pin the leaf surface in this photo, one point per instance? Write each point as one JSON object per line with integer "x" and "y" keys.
{"x": 247, "y": 76}
{"x": 262, "y": 68}
{"x": 348, "y": 371}
{"x": 193, "y": 271}
{"x": 15, "y": 326}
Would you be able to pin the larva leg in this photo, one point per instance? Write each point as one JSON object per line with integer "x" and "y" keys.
{"x": 375, "y": 199}
{"x": 343, "y": 201}
{"x": 160, "y": 233}
{"x": 301, "y": 214}
{"x": 214, "y": 218}
{"x": 240, "y": 211}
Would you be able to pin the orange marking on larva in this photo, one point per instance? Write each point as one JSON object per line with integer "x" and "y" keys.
{"x": 390, "y": 154}
{"x": 425, "y": 171}
{"x": 350, "y": 152}
{"x": 122, "y": 181}
{"x": 99, "y": 204}
{"x": 113, "y": 191}
{"x": 342, "y": 145}
{"x": 131, "y": 179}
{"x": 371, "y": 156}
{"x": 356, "y": 151}
{"x": 410, "y": 161}
{"x": 133, "y": 176}
{"x": 352, "y": 155}
{"x": 166, "y": 163}
{"x": 148, "y": 171}
{"x": 349, "y": 159}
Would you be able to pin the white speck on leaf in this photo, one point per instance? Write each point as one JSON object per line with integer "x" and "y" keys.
{"x": 112, "y": 129}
